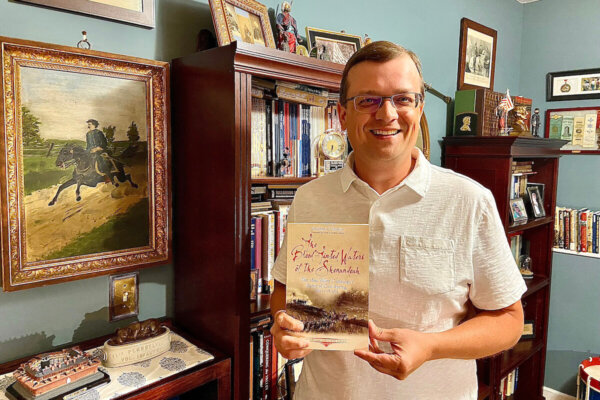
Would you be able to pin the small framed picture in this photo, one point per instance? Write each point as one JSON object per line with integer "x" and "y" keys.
{"x": 477, "y": 56}
{"x": 243, "y": 20}
{"x": 517, "y": 211}
{"x": 332, "y": 46}
{"x": 581, "y": 84}
{"x": 536, "y": 202}
{"x": 528, "y": 329}
{"x": 124, "y": 296}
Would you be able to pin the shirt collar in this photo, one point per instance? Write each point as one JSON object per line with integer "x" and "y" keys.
{"x": 418, "y": 179}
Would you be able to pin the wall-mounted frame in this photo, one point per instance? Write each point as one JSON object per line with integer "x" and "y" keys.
{"x": 476, "y": 56}
{"x": 123, "y": 299}
{"x": 580, "y": 84}
{"x": 244, "y": 20}
{"x": 84, "y": 180}
{"x": 579, "y": 125}
{"x": 332, "y": 46}
{"x": 138, "y": 12}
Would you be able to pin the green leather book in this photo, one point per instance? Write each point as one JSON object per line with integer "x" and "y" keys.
{"x": 555, "y": 126}
{"x": 464, "y": 102}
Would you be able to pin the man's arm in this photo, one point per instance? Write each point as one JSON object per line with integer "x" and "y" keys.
{"x": 284, "y": 326}
{"x": 487, "y": 333}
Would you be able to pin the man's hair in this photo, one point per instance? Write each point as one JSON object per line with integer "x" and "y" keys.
{"x": 93, "y": 122}
{"x": 379, "y": 52}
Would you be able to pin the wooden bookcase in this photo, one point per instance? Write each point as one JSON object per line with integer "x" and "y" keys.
{"x": 211, "y": 98}
{"x": 488, "y": 160}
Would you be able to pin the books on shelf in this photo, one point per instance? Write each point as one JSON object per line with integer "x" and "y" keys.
{"x": 263, "y": 361}
{"x": 328, "y": 283}
{"x": 577, "y": 230}
{"x": 509, "y": 384}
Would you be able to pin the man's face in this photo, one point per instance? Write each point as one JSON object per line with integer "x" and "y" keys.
{"x": 90, "y": 126}
{"x": 387, "y": 134}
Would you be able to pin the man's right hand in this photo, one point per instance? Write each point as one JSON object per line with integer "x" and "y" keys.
{"x": 287, "y": 343}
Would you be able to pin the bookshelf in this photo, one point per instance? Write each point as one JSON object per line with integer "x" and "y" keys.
{"x": 576, "y": 253}
{"x": 211, "y": 97}
{"x": 488, "y": 160}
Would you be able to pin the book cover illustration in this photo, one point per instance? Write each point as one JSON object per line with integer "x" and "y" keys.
{"x": 328, "y": 283}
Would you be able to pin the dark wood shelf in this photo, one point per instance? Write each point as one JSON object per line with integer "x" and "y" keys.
{"x": 260, "y": 307}
{"x": 535, "y": 284}
{"x": 516, "y": 356}
{"x": 273, "y": 180}
{"x": 483, "y": 391}
{"x": 533, "y": 223}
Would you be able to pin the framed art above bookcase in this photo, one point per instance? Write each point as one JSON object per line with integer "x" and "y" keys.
{"x": 579, "y": 126}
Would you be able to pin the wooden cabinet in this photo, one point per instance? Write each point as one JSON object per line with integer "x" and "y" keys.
{"x": 211, "y": 98}
{"x": 489, "y": 161}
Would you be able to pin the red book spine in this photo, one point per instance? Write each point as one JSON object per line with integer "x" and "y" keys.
{"x": 583, "y": 232}
{"x": 258, "y": 250}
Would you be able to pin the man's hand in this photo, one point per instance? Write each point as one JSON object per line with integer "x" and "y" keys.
{"x": 289, "y": 345}
{"x": 410, "y": 349}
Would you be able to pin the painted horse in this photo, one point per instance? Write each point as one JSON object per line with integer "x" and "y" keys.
{"x": 89, "y": 170}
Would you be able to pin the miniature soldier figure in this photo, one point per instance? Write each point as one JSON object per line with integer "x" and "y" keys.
{"x": 535, "y": 122}
{"x": 288, "y": 31}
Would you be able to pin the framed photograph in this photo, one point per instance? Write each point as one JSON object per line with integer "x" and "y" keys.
{"x": 540, "y": 187}
{"x": 581, "y": 84}
{"x": 123, "y": 296}
{"x": 138, "y": 12}
{"x": 332, "y": 46}
{"x": 244, "y": 20}
{"x": 477, "y": 56}
{"x": 535, "y": 201}
{"x": 528, "y": 329}
{"x": 84, "y": 164}
{"x": 579, "y": 126}
{"x": 518, "y": 212}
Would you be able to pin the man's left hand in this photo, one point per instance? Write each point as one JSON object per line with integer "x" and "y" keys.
{"x": 410, "y": 349}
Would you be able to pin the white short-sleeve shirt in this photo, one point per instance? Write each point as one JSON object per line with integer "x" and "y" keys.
{"x": 436, "y": 243}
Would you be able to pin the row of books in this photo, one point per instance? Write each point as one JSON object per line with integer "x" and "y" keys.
{"x": 267, "y": 228}
{"x": 520, "y": 171}
{"x": 285, "y": 127}
{"x": 508, "y": 384}
{"x": 577, "y": 230}
{"x": 580, "y": 128}
{"x": 264, "y": 361}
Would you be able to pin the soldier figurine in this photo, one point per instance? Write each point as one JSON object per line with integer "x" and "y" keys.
{"x": 288, "y": 31}
{"x": 535, "y": 122}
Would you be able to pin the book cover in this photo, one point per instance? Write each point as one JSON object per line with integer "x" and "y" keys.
{"x": 578, "y": 127}
{"x": 567, "y": 128}
{"x": 328, "y": 283}
{"x": 555, "y": 128}
{"x": 589, "y": 131}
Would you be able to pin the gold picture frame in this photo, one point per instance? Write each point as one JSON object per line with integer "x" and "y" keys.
{"x": 123, "y": 299}
{"x": 77, "y": 204}
{"x": 245, "y": 20}
{"x": 337, "y": 47}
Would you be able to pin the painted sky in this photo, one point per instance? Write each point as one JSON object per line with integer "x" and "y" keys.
{"x": 63, "y": 101}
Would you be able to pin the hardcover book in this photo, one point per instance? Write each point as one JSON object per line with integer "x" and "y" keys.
{"x": 328, "y": 283}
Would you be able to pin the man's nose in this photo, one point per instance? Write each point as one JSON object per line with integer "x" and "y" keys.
{"x": 387, "y": 111}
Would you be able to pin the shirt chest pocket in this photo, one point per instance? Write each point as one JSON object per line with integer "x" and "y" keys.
{"x": 427, "y": 264}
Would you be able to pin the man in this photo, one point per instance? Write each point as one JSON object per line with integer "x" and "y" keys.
{"x": 95, "y": 139}
{"x": 437, "y": 249}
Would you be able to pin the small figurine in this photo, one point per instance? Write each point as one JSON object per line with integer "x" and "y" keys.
{"x": 535, "y": 122}
{"x": 288, "y": 30}
{"x": 367, "y": 39}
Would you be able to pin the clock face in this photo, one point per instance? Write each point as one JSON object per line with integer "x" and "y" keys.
{"x": 333, "y": 145}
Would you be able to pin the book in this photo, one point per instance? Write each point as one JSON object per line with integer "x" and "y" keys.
{"x": 327, "y": 284}
{"x": 567, "y": 128}
{"x": 589, "y": 131}
{"x": 555, "y": 127}
{"x": 578, "y": 127}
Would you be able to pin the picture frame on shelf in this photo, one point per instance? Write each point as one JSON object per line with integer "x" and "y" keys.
{"x": 528, "y": 329}
{"x": 540, "y": 187}
{"x": 137, "y": 12}
{"x": 477, "y": 56}
{"x": 518, "y": 213}
{"x": 123, "y": 299}
{"x": 332, "y": 46}
{"x": 582, "y": 84}
{"x": 94, "y": 177}
{"x": 244, "y": 20}
{"x": 534, "y": 198}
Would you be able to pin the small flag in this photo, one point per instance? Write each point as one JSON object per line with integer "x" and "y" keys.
{"x": 506, "y": 103}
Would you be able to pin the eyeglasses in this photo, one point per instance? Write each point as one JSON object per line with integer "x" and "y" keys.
{"x": 369, "y": 103}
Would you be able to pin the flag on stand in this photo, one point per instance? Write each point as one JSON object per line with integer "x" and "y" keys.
{"x": 506, "y": 103}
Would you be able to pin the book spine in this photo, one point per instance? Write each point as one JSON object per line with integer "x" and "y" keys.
{"x": 268, "y": 116}
{"x": 258, "y": 252}
{"x": 282, "y": 142}
{"x": 288, "y": 146}
{"x": 267, "y": 355}
{"x": 582, "y": 243}
{"x": 252, "y": 243}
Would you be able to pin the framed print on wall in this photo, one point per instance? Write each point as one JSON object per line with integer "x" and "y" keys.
{"x": 138, "y": 12}
{"x": 477, "y": 56}
{"x": 84, "y": 170}
{"x": 582, "y": 84}
{"x": 332, "y": 46}
{"x": 244, "y": 20}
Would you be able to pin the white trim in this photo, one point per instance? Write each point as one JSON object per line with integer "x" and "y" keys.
{"x": 551, "y": 394}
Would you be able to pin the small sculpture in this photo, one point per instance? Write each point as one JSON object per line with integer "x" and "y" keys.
{"x": 287, "y": 28}
{"x": 535, "y": 122}
{"x": 367, "y": 39}
{"x": 137, "y": 331}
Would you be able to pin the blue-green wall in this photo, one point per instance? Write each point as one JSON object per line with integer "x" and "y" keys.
{"x": 563, "y": 35}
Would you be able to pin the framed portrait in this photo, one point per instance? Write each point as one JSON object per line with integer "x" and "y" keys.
{"x": 518, "y": 213}
{"x": 581, "y": 84}
{"x": 477, "y": 56}
{"x": 84, "y": 170}
{"x": 535, "y": 201}
{"x": 123, "y": 300}
{"x": 244, "y": 20}
{"x": 332, "y": 46}
{"x": 540, "y": 187}
{"x": 137, "y": 12}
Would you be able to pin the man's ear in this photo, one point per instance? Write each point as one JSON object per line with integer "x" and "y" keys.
{"x": 342, "y": 115}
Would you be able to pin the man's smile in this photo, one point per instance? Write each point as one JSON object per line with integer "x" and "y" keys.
{"x": 384, "y": 132}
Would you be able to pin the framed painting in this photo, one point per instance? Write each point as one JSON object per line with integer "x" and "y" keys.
{"x": 84, "y": 170}
{"x": 332, "y": 46}
{"x": 243, "y": 20}
{"x": 582, "y": 84}
{"x": 124, "y": 296}
{"x": 476, "y": 56}
{"x": 138, "y": 12}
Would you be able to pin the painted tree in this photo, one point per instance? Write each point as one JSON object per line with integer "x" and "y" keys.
{"x": 132, "y": 133}
{"x": 109, "y": 133}
{"x": 31, "y": 128}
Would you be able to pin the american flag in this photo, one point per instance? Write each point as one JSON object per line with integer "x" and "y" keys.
{"x": 506, "y": 103}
